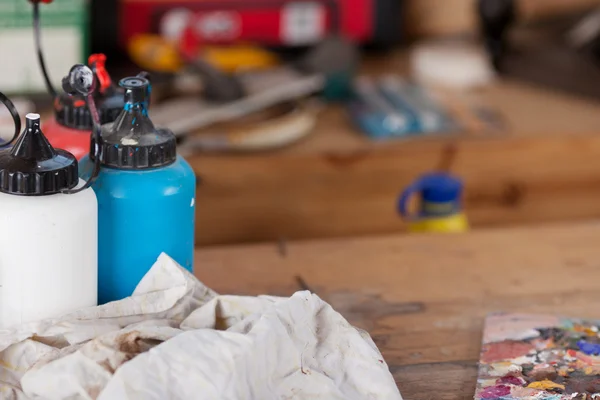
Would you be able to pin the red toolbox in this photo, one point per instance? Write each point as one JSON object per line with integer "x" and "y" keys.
{"x": 270, "y": 22}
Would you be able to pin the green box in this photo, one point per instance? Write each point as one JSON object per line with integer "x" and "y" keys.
{"x": 65, "y": 30}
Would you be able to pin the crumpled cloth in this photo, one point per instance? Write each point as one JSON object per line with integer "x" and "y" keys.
{"x": 174, "y": 338}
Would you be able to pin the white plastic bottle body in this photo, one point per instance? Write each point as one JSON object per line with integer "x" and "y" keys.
{"x": 48, "y": 255}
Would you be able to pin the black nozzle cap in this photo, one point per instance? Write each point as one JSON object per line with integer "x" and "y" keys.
{"x": 80, "y": 80}
{"x": 33, "y": 145}
{"x": 70, "y": 108}
{"x": 132, "y": 141}
{"x": 32, "y": 167}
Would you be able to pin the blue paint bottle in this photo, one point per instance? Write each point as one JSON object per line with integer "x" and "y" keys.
{"x": 146, "y": 196}
{"x": 440, "y": 208}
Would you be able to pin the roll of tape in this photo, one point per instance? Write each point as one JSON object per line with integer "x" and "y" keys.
{"x": 452, "y": 64}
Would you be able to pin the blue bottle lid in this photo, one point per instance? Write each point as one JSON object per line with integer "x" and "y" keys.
{"x": 433, "y": 188}
{"x": 440, "y": 188}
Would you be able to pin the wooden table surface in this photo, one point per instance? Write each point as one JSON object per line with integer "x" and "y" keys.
{"x": 424, "y": 298}
{"x": 336, "y": 182}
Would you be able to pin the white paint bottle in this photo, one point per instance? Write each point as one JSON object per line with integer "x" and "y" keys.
{"x": 48, "y": 231}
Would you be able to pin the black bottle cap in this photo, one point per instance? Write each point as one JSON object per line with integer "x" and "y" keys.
{"x": 73, "y": 112}
{"x": 32, "y": 167}
{"x": 132, "y": 141}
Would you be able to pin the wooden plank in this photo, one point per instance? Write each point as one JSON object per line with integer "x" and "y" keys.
{"x": 423, "y": 298}
{"x": 508, "y": 180}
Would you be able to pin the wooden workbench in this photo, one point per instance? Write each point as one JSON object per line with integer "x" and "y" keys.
{"x": 544, "y": 167}
{"x": 424, "y": 298}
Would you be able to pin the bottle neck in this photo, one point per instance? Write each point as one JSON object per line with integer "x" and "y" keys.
{"x": 136, "y": 108}
{"x": 137, "y": 99}
{"x": 133, "y": 121}
{"x": 134, "y": 117}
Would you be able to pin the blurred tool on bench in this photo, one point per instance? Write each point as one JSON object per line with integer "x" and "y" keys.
{"x": 389, "y": 106}
{"x": 258, "y": 89}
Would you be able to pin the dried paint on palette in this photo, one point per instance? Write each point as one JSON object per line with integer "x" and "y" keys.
{"x": 536, "y": 357}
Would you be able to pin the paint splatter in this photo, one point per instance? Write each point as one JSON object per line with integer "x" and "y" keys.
{"x": 494, "y": 392}
{"x": 589, "y": 348}
{"x": 537, "y": 357}
{"x": 546, "y": 384}
{"x": 543, "y": 372}
{"x": 506, "y": 350}
{"x": 501, "y": 327}
{"x": 512, "y": 380}
{"x": 584, "y": 384}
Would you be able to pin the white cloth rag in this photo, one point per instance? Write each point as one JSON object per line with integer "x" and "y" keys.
{"x": 174, "y": 338}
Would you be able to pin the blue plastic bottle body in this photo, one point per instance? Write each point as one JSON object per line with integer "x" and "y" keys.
{"x": 141, "y": 214}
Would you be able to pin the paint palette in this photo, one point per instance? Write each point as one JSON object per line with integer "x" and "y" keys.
{"x": 527, "y": 357}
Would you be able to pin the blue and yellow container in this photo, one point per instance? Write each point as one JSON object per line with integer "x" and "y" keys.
{"x": 146, "y": 196}
{"x": 439, "y": 209}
